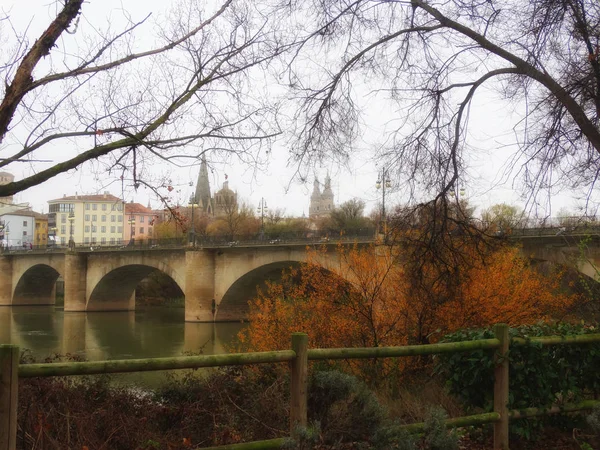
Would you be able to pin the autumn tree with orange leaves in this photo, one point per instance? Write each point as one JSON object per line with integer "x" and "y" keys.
{"x": 368, "y": 299}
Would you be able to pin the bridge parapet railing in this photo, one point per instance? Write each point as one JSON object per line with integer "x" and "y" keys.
{"x": 200, "y": 242}
{"x": 297, "y": 357}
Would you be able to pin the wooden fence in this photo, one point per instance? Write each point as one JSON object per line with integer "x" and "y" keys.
{"x": 298, "y": 357}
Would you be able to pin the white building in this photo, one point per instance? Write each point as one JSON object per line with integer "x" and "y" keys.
{"x": 18, "y": 229}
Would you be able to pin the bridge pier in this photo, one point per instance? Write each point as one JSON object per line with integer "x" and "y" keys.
{"x": 5, "y": 281}
{"x": 199, "y": 285}
{"x": 75, "y": 277}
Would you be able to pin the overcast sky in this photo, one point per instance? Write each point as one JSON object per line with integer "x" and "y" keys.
{"x": 490, "y": 133}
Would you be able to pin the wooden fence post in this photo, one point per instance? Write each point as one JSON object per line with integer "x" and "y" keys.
{"x": 299, "y": 382}
{"x": 501, "y": 387}
{"x": 9, "y": 384}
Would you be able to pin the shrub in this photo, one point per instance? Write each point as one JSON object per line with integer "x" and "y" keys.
{"x": 538, "y": 376}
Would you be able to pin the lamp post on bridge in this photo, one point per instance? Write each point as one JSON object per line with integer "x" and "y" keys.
{"x": 131, "y": 222}
{"x": 192, "y": 204}
{"x": 262, "y": 208}
{"x": 383, "y": 183}
{"x": 1, "y": 235}
{"x": 71, "y": 222}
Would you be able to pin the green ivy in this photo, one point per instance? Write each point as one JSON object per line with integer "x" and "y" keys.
{"x": 538, "y": 376}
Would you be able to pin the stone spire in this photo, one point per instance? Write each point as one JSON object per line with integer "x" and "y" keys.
{"x": 316, "y": 193}
{"x": 327, "y": 192}
{"x": 202, "y": 195}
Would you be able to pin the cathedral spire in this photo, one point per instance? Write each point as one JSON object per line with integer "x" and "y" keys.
{"x": 202, "y": 195}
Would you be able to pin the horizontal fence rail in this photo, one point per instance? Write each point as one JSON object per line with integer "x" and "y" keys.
{"x": 298, "y": 357}
{"x": 152, "y": 364}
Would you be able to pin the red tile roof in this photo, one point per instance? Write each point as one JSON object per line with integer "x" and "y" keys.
{"x": 137, "y": 208}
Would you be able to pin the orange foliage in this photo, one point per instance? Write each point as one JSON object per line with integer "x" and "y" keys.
{"x": 368, "y": 299}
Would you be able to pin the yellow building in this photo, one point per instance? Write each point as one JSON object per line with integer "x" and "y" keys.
{"x": 87, "y": 219}
{"x": 40, "y": 230}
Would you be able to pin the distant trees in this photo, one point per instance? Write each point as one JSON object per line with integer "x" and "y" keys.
{"x": 347, "y": 217}
{"x": 502, "y": 218}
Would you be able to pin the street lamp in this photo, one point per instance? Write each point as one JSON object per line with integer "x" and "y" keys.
{"x": 1, "y": 234}
{"x": 262, "y": 208}
{"x": 383, "y": 183}
{"x": 131, "y": 222}
{"x": 71, "y": 221}
{"x": 192, "y": 204}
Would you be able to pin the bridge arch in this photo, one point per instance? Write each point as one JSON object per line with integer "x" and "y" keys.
{"x": 36, "y": 286}
{"x": 115, "y": 290}
{"x": 234, "y": 303}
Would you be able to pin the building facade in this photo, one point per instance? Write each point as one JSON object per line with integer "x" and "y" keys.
{"x": 6, "y": 178}
{"x": 321, "y": 203}
{"x": 18, "y": 228}
{"x": 139, "y": 222}
{"x": 87, "y": 219}
{"x": 40, "y": 229}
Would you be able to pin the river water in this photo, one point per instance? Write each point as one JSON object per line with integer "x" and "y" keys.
{"x": 148, "y": 333}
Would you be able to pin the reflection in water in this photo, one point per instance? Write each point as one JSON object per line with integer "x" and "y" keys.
{"x": 154, "y": 332}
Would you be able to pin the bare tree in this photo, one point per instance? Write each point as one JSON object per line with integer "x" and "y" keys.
{"x": 132, "y": 98}
{"x": 431, "y": 59}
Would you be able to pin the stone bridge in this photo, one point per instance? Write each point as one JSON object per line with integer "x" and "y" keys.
{"x": 216, "y": 282}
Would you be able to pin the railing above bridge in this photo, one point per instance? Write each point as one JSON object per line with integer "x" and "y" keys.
{"x": 312, "y": 238}
{"x": 536, "y": 229}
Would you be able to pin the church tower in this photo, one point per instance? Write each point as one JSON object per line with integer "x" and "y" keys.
{"x": 321, "y": 203}
{"x": 202, "y": 195}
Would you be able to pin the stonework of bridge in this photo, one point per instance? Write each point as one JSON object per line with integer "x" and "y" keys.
{"x": 577, "y": 251}
{"x": 216, "y": 282}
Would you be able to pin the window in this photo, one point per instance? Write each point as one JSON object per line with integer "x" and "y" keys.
{"x": 113, "y": 218}
{"x": 120, "y": 207}
{"x": 87, "y": 206}
{"x": 63, "y": 229}
{"x": 93, "y": 239}
{"x": 37, "y": 226}
{"x": 63, "y": 218}
{"x": 141, "y": 230}
{"x": 112, "y": 240}
{"x": 102, "y": 229}
{"x": 87, "y": 228}
{"x": 94, "y": 218}
{"x": 94, "y": 206}
{"x": 61, "y": 207}
{"x": 103, "y": 218}
{"x": 103, "y": 240}
{"x": 112, "y": 229}
{"x": 86, "y": 240}
{"x": 103, "y": 206}
{"x": 141, "y": 219}
{"x": 119, "y": 229}
{"x": 120, "y": 219}
{"x": 24, "y": 233}
{"x": 94, "y": 228}
{"x": 24, "y": 223}
{"x": 63, "y": 240}
{"x": 87, "y": 217}
{"x": 149, "y": 231}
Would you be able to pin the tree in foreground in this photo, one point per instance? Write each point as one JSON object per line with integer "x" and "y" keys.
{"x": 133, "y": 98}
{"x": 431, "y": 60}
